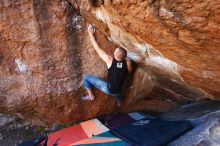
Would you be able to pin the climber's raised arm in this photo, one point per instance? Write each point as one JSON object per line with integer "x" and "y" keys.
{"x": 103, "y": 55}
{"x": 118, "y": 68}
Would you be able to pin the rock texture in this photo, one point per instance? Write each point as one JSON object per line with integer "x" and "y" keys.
{"x": 45, "y": 51}
{"x": 177, "y": 38}
{"x": 14, "y": 131}
{"x": 204, "y": 115}
{"x": 205, "y": 133}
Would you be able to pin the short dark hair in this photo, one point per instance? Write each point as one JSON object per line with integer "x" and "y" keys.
{"x": 124, "y": 52}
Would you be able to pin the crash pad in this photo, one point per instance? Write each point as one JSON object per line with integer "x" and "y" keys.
{"x": 155, "y": 132}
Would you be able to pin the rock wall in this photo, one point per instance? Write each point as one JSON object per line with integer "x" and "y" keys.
{"x": 176, "y": 38}
{"x": 45, "y": 51}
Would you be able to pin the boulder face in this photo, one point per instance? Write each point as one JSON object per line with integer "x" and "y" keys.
{"x": 179, "y": 38}
{"x": 45, "y": 51}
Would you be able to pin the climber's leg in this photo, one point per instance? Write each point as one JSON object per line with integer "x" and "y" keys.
{"x": 88, "y": 86}
{"x": 89, "y": 96}
{"x": 118, "y": 98}
{"x": 90, "y": 81}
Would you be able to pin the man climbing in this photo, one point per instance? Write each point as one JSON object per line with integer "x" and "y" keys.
{"x": 118, "y": 67}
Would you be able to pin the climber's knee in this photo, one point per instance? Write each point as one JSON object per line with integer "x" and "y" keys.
{"x": 86, "y": 83}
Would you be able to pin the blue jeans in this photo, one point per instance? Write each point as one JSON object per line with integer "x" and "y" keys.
{"x": 90, "y": 81}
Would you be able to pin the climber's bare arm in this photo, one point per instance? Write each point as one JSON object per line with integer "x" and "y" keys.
{"x": 102, "y": 54}
{"x": 129, "y": 64}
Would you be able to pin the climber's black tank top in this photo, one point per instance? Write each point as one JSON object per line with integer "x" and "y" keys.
{"x": 116, "y": 75}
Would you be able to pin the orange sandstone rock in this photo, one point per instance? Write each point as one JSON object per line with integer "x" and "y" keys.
{"x": 45, "y": 51}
